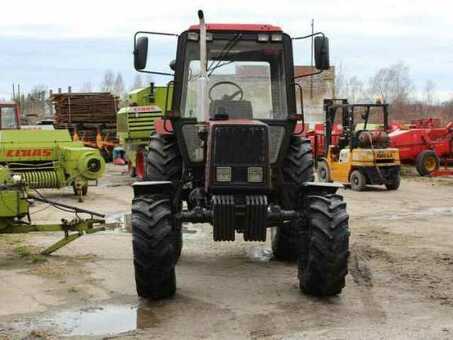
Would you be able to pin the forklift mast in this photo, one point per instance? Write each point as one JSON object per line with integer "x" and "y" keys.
{"x": 332, "y": 106}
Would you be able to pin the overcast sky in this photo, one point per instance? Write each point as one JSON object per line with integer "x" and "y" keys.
{"x": 72, "y": 42}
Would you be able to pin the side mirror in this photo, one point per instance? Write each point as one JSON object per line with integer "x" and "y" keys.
{"x": 173, "y": 64}
{"x": 322, "y": 59}
{"x": 140, "y": 53}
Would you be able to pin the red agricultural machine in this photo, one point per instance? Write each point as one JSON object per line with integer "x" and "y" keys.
{"x": 426, "y": 144}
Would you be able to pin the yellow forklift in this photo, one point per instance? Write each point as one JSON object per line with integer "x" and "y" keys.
{"x": 361, "y": 154}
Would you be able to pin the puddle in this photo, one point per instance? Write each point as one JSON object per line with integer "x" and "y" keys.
{"x": 106, "y": 320}
{"x": 94, "y": 321}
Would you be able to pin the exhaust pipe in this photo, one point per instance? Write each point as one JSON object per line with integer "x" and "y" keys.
{"x": 203, "y": 80}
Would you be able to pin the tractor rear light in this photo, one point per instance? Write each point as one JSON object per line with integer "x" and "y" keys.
{"x": 276, "y": 37}
{"x": 263, "y": 37}
{"x": 255, "y": 174}
{"x": 192, "y": 36}
{"x": 223, "y": 174}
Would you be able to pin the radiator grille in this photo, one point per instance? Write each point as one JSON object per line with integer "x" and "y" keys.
{"x": 236, "y": 145}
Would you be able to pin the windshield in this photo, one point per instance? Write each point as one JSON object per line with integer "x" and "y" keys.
{"x": 8, "y": 118}
{"x": 375, "y": 119}
{"x": 246, "y": 79}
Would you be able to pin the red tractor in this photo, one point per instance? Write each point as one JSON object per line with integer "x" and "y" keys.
{"x": 9, "y": 116}
{"x": 227, "y": 154}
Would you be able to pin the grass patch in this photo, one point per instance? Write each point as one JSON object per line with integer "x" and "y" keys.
{"x": 38, "y": 258}
{"x": 23, "y": 251}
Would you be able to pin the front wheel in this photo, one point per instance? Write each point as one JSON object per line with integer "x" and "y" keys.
{"x": 322, "y": 271}
{"x": 156, "y": 242}
{"x": 357, "y": 180}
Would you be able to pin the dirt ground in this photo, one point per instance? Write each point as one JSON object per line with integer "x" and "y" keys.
{"x": 399, "y": 283}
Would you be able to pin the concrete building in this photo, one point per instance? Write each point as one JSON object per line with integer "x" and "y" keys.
{"x": 315, "y": 89}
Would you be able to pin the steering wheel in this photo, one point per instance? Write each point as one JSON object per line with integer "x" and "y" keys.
{"x": 225, "y": 97}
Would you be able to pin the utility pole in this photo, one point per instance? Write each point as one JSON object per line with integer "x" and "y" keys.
{"x": 312, "y": 56}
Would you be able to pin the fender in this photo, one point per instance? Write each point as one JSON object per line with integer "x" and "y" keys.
{"x": 163, "y": 126}
{"x": 153, "y": 187}
{"x": 316, "y": 188}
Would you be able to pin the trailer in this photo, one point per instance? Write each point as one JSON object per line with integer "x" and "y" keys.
{"x": 426, "y": 144}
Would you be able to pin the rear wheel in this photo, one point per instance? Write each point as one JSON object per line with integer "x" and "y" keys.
{"x": 156, "y": 247}
{"x": 296, "y": 170}
{"x": 394, "y": 182}
{"x": 357, "y": 180}
{"x": 323, "y": 269}
{"x": 427, "y": 162}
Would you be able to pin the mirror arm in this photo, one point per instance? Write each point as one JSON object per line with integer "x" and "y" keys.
{"x": 153, "y": 33}
{"x": 158, "y": 73}
{"x": 309, "y": 75}
{"x": 309, "y": 36}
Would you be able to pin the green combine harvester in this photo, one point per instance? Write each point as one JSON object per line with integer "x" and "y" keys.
{"x": 15, "y": 213}
{"x": 135, "y": 124}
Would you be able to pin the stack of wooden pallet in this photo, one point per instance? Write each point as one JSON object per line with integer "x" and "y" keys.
{"x": 86, "y": 114}
{"x": 81, "y": 108}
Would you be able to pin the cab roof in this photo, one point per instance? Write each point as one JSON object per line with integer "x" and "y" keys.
{"x": 238, "y": 27}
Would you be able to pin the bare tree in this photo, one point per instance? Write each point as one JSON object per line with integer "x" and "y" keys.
{"x": 429, "y": 93}
{"x": 138, "y": 82}
{"x": 118, "y": 86}
{"x": 86, "y": 87}
{"x": 108, "y": 82}
{"x": 349, "y": 88}
{"x": 392, "y": 84}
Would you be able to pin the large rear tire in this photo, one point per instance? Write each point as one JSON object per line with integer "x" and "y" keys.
{"x": 427, "y": 162}
{"x": 163, "y": 161}
{"x": 323, "y": 269}
{"x": 297, "y": 169}
{"x": 156, "y": 247}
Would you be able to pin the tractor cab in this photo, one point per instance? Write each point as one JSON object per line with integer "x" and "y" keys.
{"x": 362, "y": 154}
{"x": 9, "y": 116}
{"x": 248, "y": 73}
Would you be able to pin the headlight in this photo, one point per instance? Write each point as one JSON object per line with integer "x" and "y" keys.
{"x": 223, "y": 174}
{"x": 255, "y": 174}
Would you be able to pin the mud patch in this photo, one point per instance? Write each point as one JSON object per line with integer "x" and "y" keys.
{"x": 360, "y": 270}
